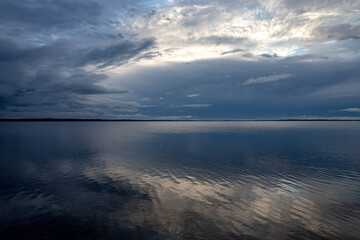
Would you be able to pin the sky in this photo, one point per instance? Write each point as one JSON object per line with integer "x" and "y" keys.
{"x": 180, "y": 59}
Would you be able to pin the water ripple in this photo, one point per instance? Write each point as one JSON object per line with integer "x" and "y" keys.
{"x": 215, "y": 180}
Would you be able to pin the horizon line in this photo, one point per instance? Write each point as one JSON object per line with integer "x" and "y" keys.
{"x": 163, "y": 120}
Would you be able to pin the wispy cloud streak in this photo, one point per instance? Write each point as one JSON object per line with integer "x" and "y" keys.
{"x": 267, "y": 79}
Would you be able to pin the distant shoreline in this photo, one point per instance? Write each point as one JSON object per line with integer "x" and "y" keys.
{"x": 172, "y": 120}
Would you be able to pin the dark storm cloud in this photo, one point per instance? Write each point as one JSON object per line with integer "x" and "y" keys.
{"x": 232, "y": 51}
{"x": 46, "y": 63}
{"x": 116, "y": 54}
{"x": 52, "y": 75}
{"x": 43, "y": 60}
{"x": 338, "y": 32}
{"x": 48, "y": 13}
{"x": 266, "y": 55}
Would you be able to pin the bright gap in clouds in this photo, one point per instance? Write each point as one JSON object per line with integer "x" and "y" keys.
{"x": 205, "y": 30}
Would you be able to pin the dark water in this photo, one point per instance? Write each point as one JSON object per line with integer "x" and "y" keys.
{"x": 180, "y": 180}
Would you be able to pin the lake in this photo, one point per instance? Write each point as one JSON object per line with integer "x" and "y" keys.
{"x": 180, "y": 180}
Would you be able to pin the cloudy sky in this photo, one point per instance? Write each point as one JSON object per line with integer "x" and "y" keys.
{"x": 180, "y": 59}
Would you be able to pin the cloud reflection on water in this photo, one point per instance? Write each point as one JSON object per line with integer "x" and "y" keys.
{"x": 184, "y": 180}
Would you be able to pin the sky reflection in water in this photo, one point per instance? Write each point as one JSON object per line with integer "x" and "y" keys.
{"x": 180, "y": 180}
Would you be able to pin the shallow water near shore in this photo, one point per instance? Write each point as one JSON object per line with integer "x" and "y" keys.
{"x": 180, "y": 180}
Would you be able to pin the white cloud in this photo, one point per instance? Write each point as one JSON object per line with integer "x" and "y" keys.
{"x": 196, "y": 105}
{"x": 267, "y": 78}
{"x": 208, "y": 29}
{"x": 357, "y": 110}
{"x": 193, "y": 95}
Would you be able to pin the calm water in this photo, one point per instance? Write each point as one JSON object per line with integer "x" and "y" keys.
{"x": 180, "y": 180}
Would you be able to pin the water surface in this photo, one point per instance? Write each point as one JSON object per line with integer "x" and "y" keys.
{"x": 180, "y": 180}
